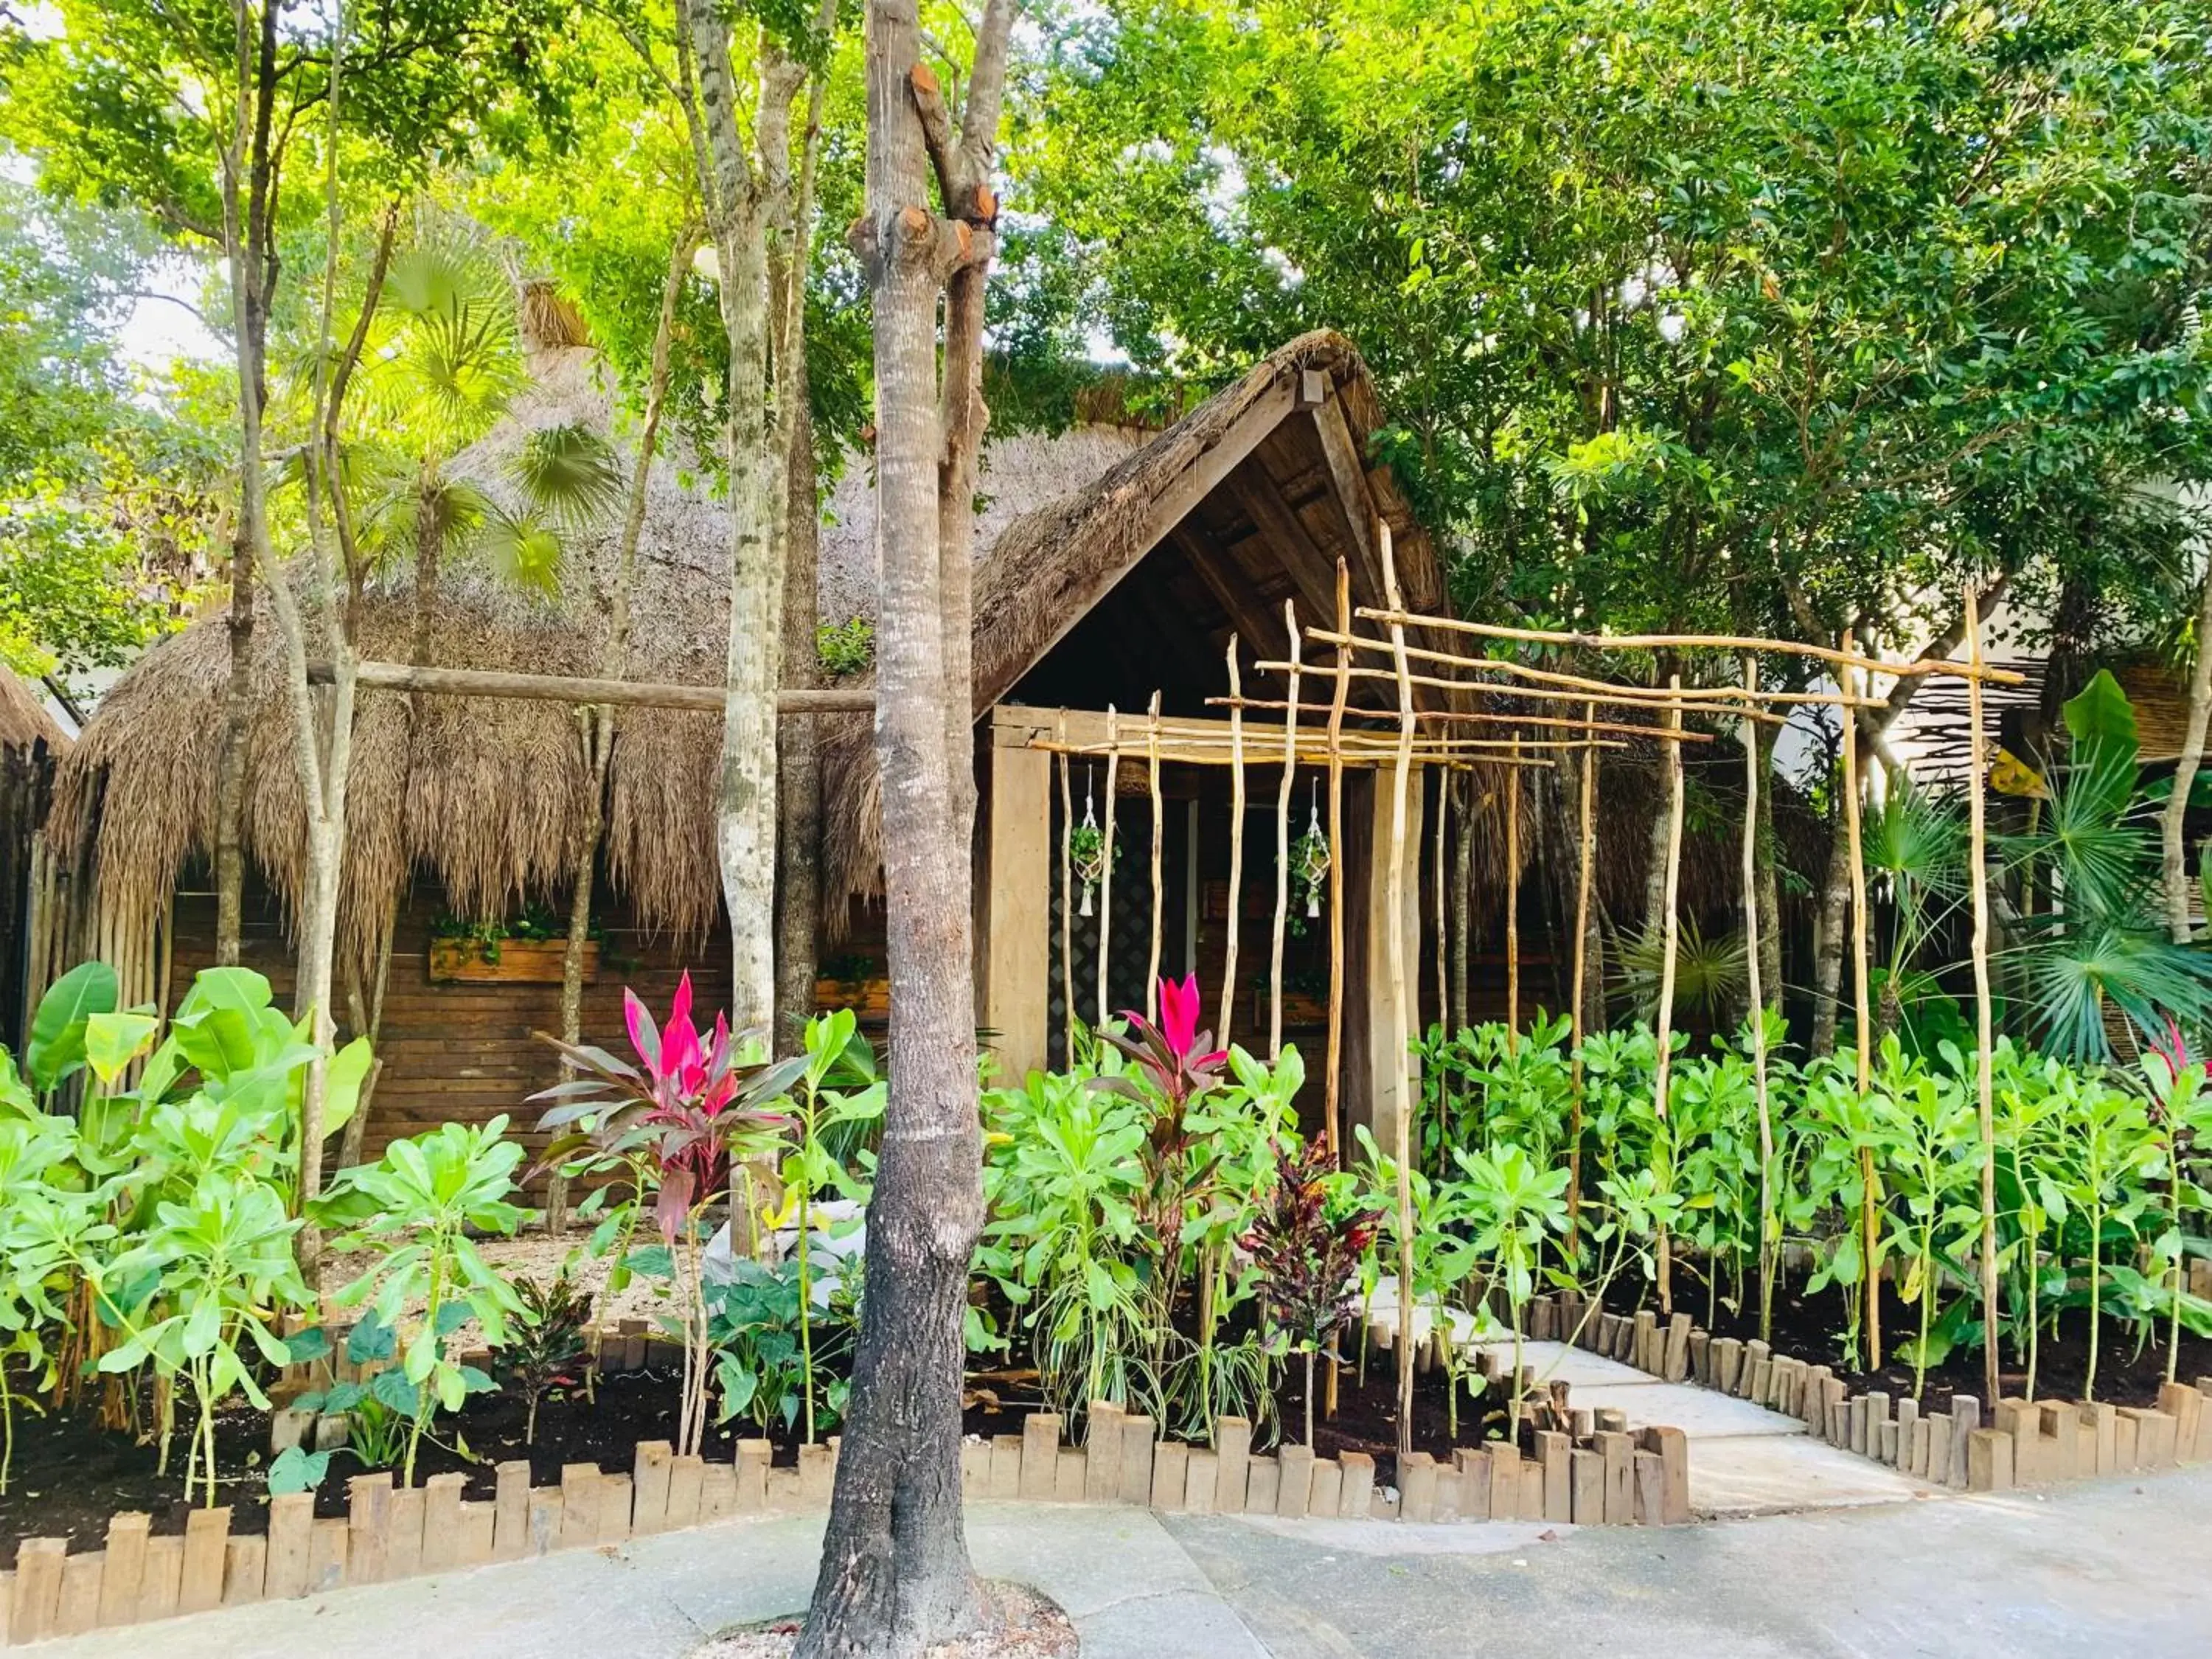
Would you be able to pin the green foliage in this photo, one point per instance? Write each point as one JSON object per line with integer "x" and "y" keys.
{"x": 548, "y": 1345}
{"x": 846, "y": 648}
{"x": 417, "y": 1207}
{"x": 778, "y": 1341}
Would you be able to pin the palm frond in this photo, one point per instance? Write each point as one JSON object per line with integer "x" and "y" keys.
{"x": 569, "y": 474}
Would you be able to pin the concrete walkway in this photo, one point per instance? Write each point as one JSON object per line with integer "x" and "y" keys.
{"x": 2101, "y": 1568}
{"x": 1132, "y": 1591}
{"x": 1744, "y": 1459}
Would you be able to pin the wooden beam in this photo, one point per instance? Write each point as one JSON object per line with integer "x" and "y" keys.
{"x": 1347, "y": 477}
{"x": 1017, "y": 949}
{"x": 1247, "y": 614}
{"x": 561, "y": 688}
{"x": 1279, "y": 523}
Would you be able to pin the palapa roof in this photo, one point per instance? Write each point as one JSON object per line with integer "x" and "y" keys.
{"x": 488, "y": 794}
{"x": 23, "y": 717}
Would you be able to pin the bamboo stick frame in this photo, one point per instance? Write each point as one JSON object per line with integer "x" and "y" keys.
{"x": 1697, "y": 642}
{"x": 1394, "y": 889}
{"x": 1235, "y": 843}
{"x": 1587, "y": 841}
{"x": 1066, "y": 908}
{"x": 1869, "y": 1223}
{"x": 1670, "y": 941}
{"x": 1486, "y": 717}
{"x": 1283, "y": 842}
{"x": 1159, "y": 829}
{"x": 1757, "y": 997}
{"x": 1106, "y": 874}
{"x": 1576, "y": 689}
{"x": 1977, "y": 874}
{"x": 1513, "y": 900}
{"x": 1332, "y": 1101}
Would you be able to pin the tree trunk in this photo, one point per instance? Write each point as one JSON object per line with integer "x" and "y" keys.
{"x": 798, "y": 845}
{"x": 746, "y": 802}
{"x": 2173, "y": 842}
{"x": 895, "y": 1571}
{"x": 248, "y": 250}
{"x": 1828, "y": 941}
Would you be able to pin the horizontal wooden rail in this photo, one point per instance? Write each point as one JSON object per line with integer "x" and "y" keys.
{"x": 561, "y": 688}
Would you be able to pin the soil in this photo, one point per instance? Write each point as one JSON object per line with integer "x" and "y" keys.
{"x": 1024, "y": 1626}
{"x": 69, "y": 1476}
{"x": 1812, "y": 1329}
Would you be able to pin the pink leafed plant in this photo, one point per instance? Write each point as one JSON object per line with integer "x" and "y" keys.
{"x": 687, "y": 1104}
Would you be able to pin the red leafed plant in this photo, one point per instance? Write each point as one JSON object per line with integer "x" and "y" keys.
{"x": 1175, "y": 1066}
{"x": 684, "y": 1105}
{"x": 1306, "y": 1249}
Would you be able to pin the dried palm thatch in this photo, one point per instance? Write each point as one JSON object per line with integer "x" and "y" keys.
{"x": 1052, "y": 565}
{"x": 23, "y": 718}
{"x": 486, "y": 795}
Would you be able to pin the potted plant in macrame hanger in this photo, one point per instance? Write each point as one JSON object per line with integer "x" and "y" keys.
{"x": 1309, "y": 859}
{"x": 1087, "y": 853}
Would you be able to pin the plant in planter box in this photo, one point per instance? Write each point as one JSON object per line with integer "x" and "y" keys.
{"x": 1511, "y": 1209}
{"x": 1933, "y": 1147}
{"x": 1306, "y": 1246}
{"x": 773, "y": 1334}
{"x": 677, "y": 1122}
{"x": 2181, "y": 1127}
{"x": 417, "y": 1206}
{"x": 47, "y": 1222}
{"x": 550, "y": 1346}
{"x": 380, "y": 1412}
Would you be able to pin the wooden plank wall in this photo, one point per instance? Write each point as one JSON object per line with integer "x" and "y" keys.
{"x": 465, "y": 1052}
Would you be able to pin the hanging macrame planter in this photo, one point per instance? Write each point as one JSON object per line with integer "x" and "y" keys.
{"x": 1086, "y": 853}
{"x": 1310, "y": 860}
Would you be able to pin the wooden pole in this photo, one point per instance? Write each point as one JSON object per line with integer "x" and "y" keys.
{"x": 1235, "y": 843}
{"x": 1334, "y": 1092}
{"x": 1106, "y": 875}
{"x": 1283, "y": 844}
{"x": 1067, "y": 910}
{"x": 1152, "y": 778}
{"x": 1670, "y": 940}
{"x": 1767, "y": 1239}
{"x": 1870, "y": 1234}
{"x": 1437, "y": 912}
{"x": 1395, "y": 897}
{"x": 1513, "y": 900}
{"x": 560, "y": 688}
{"x": 1587, "y": 842}
{"x": 1978, "y": 853}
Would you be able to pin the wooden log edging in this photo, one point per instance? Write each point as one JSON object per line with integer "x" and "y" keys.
{"x": 2023, "y": 1444}
{"x": 1608, "y": 1474}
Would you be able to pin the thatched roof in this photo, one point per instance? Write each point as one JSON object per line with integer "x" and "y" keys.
{"x": 23, "y": 717}
{"x": 488, "y": 794}
{"x": 1052, "y": 568}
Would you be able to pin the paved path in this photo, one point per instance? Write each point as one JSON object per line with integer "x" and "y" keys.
{"x": 1132, "y": 1591}
{"x": 2105, "y": 1568}
{"x": 1744, "y": 1459}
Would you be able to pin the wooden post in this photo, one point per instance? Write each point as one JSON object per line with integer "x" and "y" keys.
{"x": 1750, "y": 781}
{"x": 1015, "y": 951}
{"x": 1106, "y": 874}
{"x": 1513, "y": 898}
{"x": 1235, "y": 842}
{"x": 1333, "y": 1105}
{"x": 1159, "y": 829}
{"x": 1977, "y": 874}
{"x": 1670, "y": 937}
{"x": 1401, "y": 1148}
{"x": 1067, "y": 905}
{"x": 1283, "y": 842}
{"x": 1588, "y": 843}
{"x": 1870, "y": 1235}
{"x": 1437, "y": 912}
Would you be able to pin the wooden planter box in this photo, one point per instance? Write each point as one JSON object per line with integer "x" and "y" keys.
{"x": 521, "y": 962}
{"x": 870, "y": 999}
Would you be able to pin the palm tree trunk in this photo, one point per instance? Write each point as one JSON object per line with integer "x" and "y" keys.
{"x": 1828, "y": 941}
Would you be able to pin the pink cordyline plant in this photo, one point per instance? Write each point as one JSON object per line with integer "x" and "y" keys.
{"x": 1175, "y": 1064}
{"x": 685, "y": 1105}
